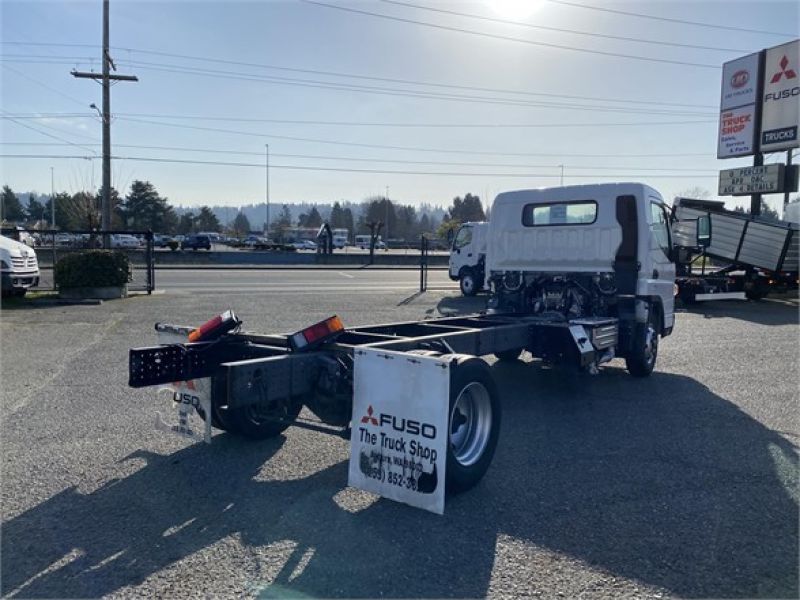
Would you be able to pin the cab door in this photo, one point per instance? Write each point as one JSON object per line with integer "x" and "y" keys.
{"x": 461, "y": 254}
{"x": 660, "y": 272}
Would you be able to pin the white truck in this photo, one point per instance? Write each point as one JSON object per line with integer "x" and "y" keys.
{"x": 468, "y": 257}
{"x": 19, "y": 268}
{"x": 579, "y": 275}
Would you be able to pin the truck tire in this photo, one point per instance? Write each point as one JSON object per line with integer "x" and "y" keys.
{"x": 473, "y": 424}
{"x": 509, "y": 355}
{"x": 468, "y": 282}
{"x": 258, "y": 422}
{"x": 642, "y": 359}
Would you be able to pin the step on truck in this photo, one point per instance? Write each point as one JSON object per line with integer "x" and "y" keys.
{"x": 467, "y": 263}
{"x": 578, "y": 275}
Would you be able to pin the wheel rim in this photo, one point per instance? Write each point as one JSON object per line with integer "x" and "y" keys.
{"x": 470, "y": 424}
{"x": 468, "y": 283}
{"x": 650, "y": 345}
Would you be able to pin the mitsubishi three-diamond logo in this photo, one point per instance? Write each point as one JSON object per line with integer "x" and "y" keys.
{"x": 789, "y": 73}
{"x": 368, "y": 418}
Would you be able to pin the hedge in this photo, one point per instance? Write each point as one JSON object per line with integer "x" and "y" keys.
{"x": 94, "y": 268}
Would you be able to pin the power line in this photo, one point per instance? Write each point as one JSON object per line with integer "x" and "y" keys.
{"x": 377, "y": 160}
{"x": 510, "y": 38}
{"x": 367, "y": 123}
{"x": 394, "y": 80}
{"x": 50, "y": 135}
{"x": 399, "y": 92}
{"x": 670, "y": 20}
{"x": 363, "y": 145}
{"x": 44, "y": 85}
{"x": 347, "y": 170}
{"x": 561, "y": 30}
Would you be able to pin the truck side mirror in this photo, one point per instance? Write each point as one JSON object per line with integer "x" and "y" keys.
{"x": 703, "y": 231}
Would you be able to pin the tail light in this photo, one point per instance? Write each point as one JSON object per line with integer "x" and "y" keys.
{"x": 317, "y": 334}
{"x": 215, "y": 327}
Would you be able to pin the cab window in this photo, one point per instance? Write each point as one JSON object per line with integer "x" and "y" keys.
{"x": 659, "y": 226}
{"x": 582, "y": 212}
{"x": 463, "y": 238}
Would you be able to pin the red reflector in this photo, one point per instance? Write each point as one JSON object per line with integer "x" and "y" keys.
{"x": 316, "y": 334}
{"x": 215, "y": 327}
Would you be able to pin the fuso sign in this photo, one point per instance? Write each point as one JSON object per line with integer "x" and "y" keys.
{"x": 780, "y": 115}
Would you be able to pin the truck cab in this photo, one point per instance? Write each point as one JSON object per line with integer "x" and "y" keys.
{"x": 468, "y": 257}
{"x": 19, "y": 268}
{"x": 587, "y": 252}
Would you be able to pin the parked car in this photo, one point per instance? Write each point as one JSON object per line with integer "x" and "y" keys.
{"x": 196, "y": 242}
{"x": 162, "y": 240}
{"x": 125, "y": 241}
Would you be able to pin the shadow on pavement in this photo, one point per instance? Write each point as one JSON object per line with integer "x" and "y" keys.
{"x": 656, "y": 480}
{"x": 452, "y": 306}
{"x": 781, "y": 310}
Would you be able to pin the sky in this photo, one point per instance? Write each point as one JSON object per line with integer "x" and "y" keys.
{"x": 416, "y": 99}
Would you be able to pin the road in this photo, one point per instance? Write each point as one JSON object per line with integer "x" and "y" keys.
{"x": 289, "y": 281}
{"x": 681, "y": 484}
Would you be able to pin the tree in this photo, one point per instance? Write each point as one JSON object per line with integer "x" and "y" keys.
{"x": 10, "y": 206}
{"x": 312, "y": 219}
{"x": 82, "y": 212}
{"x": 467, "y": 209}
{"x": 35, "y": 210}
{"x": 696, "y": 192}
{"x": 766, "y": 211}
{"x": 347, "y": 220}
{"x": 143, "y": 208}
{"x": 186, "y": 224}
{"x": 207, "y": 220}
{"x": 241, "y": 224}
{"x": 62, "y": 199}
{"x": 281, "y": 224}
{"x": 336, "y": 220}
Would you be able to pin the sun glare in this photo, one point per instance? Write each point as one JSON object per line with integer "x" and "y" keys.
{"x": 514, "y": 10}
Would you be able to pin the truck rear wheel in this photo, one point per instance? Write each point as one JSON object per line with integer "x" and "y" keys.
{"x": 468, "y": 282}
{"x": 263, "y": 421}
{"x": 642, "y": 359}
{"x": 473, "y": 424}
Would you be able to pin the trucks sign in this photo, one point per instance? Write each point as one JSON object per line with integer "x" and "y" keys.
{"x": 768, "y": 179}
{"x": 780, "y": 116}
{"x": 738, "y": 102}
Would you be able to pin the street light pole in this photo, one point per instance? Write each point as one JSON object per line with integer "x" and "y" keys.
{"x": 52, "y": 201}
{"x": 386, "y": 230}
{"x": 266, "y": 232}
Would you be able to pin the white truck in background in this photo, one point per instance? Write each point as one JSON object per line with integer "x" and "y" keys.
{"x": 468, "y": 257}
{"x": 19, "y": 268}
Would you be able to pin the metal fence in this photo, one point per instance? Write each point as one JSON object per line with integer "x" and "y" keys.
{"x": 51, "y": 245}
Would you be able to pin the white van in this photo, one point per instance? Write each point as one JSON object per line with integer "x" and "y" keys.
{"x": 18, "y": 267}
{"x": 468, "y": 257}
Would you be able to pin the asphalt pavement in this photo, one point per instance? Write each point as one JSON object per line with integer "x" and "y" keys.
{"x": 681, "y": 484}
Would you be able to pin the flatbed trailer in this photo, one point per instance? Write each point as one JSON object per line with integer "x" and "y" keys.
{"x": 759, "y": 255}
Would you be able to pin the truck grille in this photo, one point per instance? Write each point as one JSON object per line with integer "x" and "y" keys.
{"x": 18, "y": 263}
{"x": 32, "y": 263}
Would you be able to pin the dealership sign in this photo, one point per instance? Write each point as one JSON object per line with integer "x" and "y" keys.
{"x": 780, "y": 115}
{"x": 768, "y": 179}
{"x": 738, "y": 103}
{"x": 399, "y": 434}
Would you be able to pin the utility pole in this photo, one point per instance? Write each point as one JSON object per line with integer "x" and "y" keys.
{"x": 562, "y": 175}
{"x": 106, "y": 78}
{"x": 387, "y": 216}
{"x": 266, "y": 227}
{"x": 52, "y": 201}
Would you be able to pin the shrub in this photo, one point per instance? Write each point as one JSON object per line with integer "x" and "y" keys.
{"x": 95, "y": 268}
